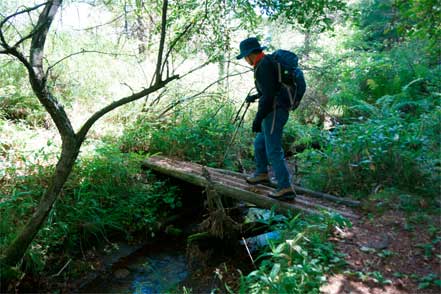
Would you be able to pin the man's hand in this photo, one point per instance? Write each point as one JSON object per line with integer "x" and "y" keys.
{"x": 252, "y": 98}
{"x": 257, "y": 127}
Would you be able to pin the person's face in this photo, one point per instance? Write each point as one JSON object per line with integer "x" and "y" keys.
{"x": 249, "y": 60}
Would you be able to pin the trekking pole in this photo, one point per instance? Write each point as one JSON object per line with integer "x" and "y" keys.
{"x": 238, "y": 112}
{"x": 237, "y": 128}
{"x": 241, "y": 106}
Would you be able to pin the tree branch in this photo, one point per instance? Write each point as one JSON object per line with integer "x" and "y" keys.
{"x": 174, "y": 104}
{"x": 101, "y": 25}
{"x": 197, "y": 68}
{"x": 174, "y": 42}
{"x": 2, "y": 39}
{"x": 39, "y": 39}
{"x": 38, "y": 77}
{"x": 27, "y": 10}
{"x": 162, "y": 41}
{"x": 156, "y": 101}
{"x": 86, "y": 51}
{"x": 97, "y": 115}
{"x": 6, "y": 19}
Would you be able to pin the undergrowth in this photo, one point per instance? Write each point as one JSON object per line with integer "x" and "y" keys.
{"x": 201, "y": 135}
{"x": 106, "y": 196}
{"x": 298, "y": 261}
{"x": 388, "y": 134}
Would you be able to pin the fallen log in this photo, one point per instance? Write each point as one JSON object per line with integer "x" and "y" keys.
{"x": 337, "y": 199}
{"x": 192, "y": 173}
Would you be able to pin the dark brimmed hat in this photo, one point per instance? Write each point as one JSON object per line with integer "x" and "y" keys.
{"x": 247, "y": 47}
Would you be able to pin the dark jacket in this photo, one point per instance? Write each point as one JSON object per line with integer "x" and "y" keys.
{"x": 268, "y": 87}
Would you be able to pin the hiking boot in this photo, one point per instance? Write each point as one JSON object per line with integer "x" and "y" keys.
{"x": 285, "y": 193}
{"x": 257, "y": 179}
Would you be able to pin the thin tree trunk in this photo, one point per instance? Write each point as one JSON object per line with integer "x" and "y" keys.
{"x": 161, "y": 41}
{"x": 71, "y": 141}
{"x": 18, "y": 247}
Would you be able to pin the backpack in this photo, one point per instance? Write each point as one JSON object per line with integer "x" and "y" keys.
{"x": 290, "y": 76}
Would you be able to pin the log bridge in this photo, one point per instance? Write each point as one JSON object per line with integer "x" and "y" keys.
{"x": 234, "y": 185}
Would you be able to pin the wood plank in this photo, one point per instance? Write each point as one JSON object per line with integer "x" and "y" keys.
{"x": 234, "y": 187}
{"x": 337, "y": 199}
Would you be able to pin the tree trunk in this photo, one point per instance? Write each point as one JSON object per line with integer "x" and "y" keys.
{"x": 17, "y": 249}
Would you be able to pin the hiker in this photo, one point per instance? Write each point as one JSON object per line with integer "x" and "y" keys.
{"x": 271, "y": 117}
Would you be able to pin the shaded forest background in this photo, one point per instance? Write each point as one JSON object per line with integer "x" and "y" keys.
{"x": 368, "y": 128}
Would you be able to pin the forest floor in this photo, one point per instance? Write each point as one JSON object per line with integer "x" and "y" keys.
{"x": 386, "y": 255}
{"x": 386, "y": 251}
{"x": 383, "y": 256}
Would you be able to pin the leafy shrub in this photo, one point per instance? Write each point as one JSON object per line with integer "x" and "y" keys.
{"x": 105, "y": 194}
{"x": 17, "y": 101}
{"x": 298, "y": 137}
{"x": 200, "y": 135}
{"x": 299, "y": 260}
{"x": 364, "y": 78}
{"x": 392, "y": 149}
{"x": 388, "y": 132}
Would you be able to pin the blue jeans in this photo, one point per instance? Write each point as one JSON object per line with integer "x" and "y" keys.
{"x": 268, "y": 148}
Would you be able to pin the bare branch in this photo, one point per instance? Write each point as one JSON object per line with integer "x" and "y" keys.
{"x": 174, "y": 104}
{"x": 197, "y": 68}
{"x": 14, "y": 52}
{"x": 156, "y": 101}
{"x": 11, "y": 25}
{"x": 6, "y": 19}
{"x": 175, "y": 42}
{"x": 158, "y": 98}
{"x": 162, "y": 41}
{"x": 22, "y": 39}
{"x": 128, "y": 86}
{"x": 83, "y": 51}
{"x": 97, "y": 115}
{"x": 39, "y": 38}
{"x": 102, "y": 25}
{"x": 27, "y": 10}
{"x": 237, "y": 63}
{"x": 37, "y": 76}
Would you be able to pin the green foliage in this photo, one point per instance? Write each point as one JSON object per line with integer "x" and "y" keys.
{"x": 307, "y": 14}
{"x": 17, "y": 102}
{"x": 389, "y": 134}
{"x": 104, "y": 195}
{"x": 198, "y": 134}
{"x": 390, "y": 150}
{"x": 299, "y": 260}
{"x": 429, "y": 280}
{"x": 375, "y": 20}
{"x": 422, "y": 21}
{"x": 376, "y": 75}
{"x": 302, "y": 136}
{"x": 376, "y": 277}
{"x": 385, "y": 23}
{"x": 380, "y": 82}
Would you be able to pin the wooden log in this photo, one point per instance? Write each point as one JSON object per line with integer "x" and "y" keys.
{"x": 164, "y": 167}
{"x": 337, "y": 199}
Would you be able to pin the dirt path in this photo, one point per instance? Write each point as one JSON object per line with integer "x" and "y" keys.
{"x": 386, "y": 248}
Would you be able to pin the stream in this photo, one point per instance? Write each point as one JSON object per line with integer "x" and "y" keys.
{"x": 157, "y": 268}
{"x": 168, "y": 263}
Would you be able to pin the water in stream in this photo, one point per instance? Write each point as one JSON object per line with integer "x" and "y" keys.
{"x": 157, "y": 271}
